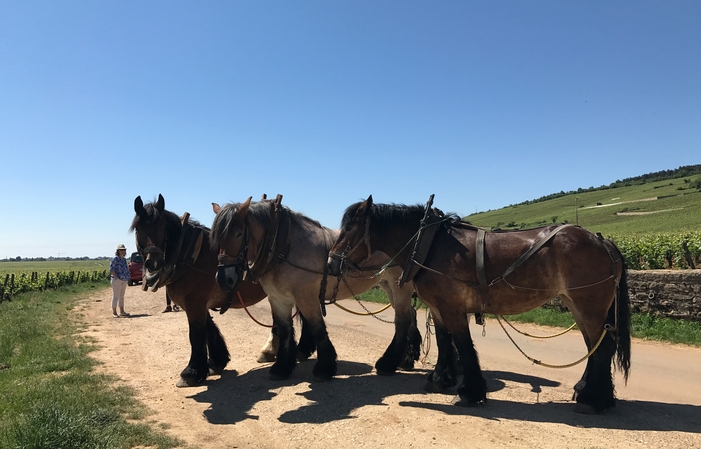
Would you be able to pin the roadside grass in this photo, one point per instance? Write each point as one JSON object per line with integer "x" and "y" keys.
{"x": 643, "y": 326}
{"x": 51, "y": 396}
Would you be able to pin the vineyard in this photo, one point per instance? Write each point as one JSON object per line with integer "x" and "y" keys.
{"x": 23, "y": 281}
{"x": 668, "y": 250}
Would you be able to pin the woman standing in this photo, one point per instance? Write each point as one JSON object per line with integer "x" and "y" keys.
{"x": 119, "y": 277}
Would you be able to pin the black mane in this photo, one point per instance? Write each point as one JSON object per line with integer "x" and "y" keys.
{"x": 385, "y": 216}
{"x": 153, "y": 215}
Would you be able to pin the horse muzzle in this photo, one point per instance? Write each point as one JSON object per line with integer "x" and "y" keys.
{"x": 334, "y": 263}
{"x": 228, "y": 277}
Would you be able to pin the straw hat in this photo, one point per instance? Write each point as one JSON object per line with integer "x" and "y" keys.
{"x": 121, "y": 246}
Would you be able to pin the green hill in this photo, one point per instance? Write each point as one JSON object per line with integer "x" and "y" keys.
{"x": 647, "y": 204}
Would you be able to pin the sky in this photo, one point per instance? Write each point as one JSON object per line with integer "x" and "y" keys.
{"x": 482, "y": 103}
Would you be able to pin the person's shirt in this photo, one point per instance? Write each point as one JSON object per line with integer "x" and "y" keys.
{"x": 119, "y": 266}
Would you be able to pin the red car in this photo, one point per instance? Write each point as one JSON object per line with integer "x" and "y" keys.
{"x": 136, "y": 264}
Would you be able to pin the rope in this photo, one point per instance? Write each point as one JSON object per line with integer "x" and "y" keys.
{"x": 361, "y": 313}
{"x": 538, "y": 336}
{"x": 269, "y": 326}
{"x": 538, "y": 362}
{"x": 426, "y": 344}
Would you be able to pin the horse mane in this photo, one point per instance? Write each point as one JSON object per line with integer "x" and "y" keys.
{"x": 171, "y": 219}
{"x": 385, "y": 215}
{"x": 258, "y": 211}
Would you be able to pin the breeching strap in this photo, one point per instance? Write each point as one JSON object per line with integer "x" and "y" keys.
{"x": 547, "y": 365}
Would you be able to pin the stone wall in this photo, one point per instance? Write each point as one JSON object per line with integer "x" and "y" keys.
{"x": 666, "y": 293}
{"x": 670, "y": 293}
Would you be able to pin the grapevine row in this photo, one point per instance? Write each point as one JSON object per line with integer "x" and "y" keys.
{"x": 22, "y": 282}
{"x": 675, "y": 250}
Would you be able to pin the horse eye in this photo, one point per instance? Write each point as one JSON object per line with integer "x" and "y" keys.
{"x": 239, "y": 234}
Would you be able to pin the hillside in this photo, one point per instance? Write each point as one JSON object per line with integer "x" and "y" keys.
{"x": 632, "y": 205}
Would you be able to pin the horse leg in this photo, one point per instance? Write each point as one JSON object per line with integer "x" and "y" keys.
{"x": 444, "y": 374}
{"x": 325, "y": 367}
{"x": 406, "y": 343}
{"x": 216, "y": 346}
{"x": 306, "y": 345}
{"x": 473, "y": 389}
{"x": 595, "y": 392}
{"x": 285, "y": 361}
{"x": 269, "y": 350}
{"x": 196, "y": 370}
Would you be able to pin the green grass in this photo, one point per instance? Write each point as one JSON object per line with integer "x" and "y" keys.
{"x": 54, "y": 265}
{"x": 51, "y": 397}
{"x": 681, "y": 203}
{"x": 643, "y": 326}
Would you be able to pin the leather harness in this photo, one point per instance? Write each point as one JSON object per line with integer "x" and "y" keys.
{"x": 185, "y": 255}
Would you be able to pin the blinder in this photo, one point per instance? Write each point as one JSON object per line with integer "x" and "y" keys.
{"x": 343, "y": 257}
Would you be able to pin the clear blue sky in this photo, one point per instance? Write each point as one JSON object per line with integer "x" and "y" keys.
{"x": 483, "y": 103}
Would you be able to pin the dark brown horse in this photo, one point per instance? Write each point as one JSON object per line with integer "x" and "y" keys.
{"x": 286, "y": 252}
{"x": 177, "y": 255}
{"x": 467, "y": 271}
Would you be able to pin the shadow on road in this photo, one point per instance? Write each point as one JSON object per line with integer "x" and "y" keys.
{"x": 233, "y": 396}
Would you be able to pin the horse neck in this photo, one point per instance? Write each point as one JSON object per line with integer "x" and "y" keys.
{"x": 394, "y": 239}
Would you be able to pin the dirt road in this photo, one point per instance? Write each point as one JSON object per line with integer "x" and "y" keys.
{"x": 529, "y": 406}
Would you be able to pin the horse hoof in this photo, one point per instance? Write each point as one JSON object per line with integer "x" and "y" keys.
{"x": 461, "y": 402}
{"x": 302, "y": 357}
{"x": 184, "y": 383}
{"x": 584, "y": 409}
{"x": 381, "y": 372}
{"x": 266, "y": 357}
{"x": 406, "y": 365}
{"x": 216, "y": 370}
{"x": 433, "y": 388}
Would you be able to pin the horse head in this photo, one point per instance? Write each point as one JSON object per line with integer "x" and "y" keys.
{"x": 353, "y": 244}
{"x": 153, "y": 227}
{"x": 230, "y": 238}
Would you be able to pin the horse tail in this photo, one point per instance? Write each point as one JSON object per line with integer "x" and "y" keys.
{"x": 620, "y": 311}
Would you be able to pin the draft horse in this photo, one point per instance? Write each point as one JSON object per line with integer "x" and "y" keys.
{"x": 467, "y": 270}
{"x": 286, "y": 252}
{"x": 177, "y": 255}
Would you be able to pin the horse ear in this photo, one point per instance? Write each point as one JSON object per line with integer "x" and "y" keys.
{"x": 216, "y": 208}
{"x": 161, "y": 203}
{"x": 139, "y": 206}
{"x": 365, "y": 206}
{"x": 242, "y": 210}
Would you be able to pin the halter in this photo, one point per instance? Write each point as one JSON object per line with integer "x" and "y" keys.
{"x": 343, "y": 257}
{"x": 185, "y": 254}
{"x": 231, "y": 269}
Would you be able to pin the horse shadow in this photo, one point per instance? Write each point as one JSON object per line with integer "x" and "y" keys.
{"x": 627, "y": 415}
{"x": 233, "y": 396}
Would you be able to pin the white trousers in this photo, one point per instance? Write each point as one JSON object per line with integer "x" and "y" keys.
{"x": 119, "y": 287}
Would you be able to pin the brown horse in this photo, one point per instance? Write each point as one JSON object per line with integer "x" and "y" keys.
{"x": 467, "y": 271}
{"x": 286, "y": 252}
{"x": 177, "y": 255}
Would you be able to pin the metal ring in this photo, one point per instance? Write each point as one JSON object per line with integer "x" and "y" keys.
{"x": 651, "y": 295}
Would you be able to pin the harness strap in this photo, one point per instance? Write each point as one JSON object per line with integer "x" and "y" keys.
{"x": 422, "y": 245}
{"x": 532, "y": 250}
{"x": 276, "y": 245}
{"x": 479, "y": 258}
{"x": 186, "y": 253}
